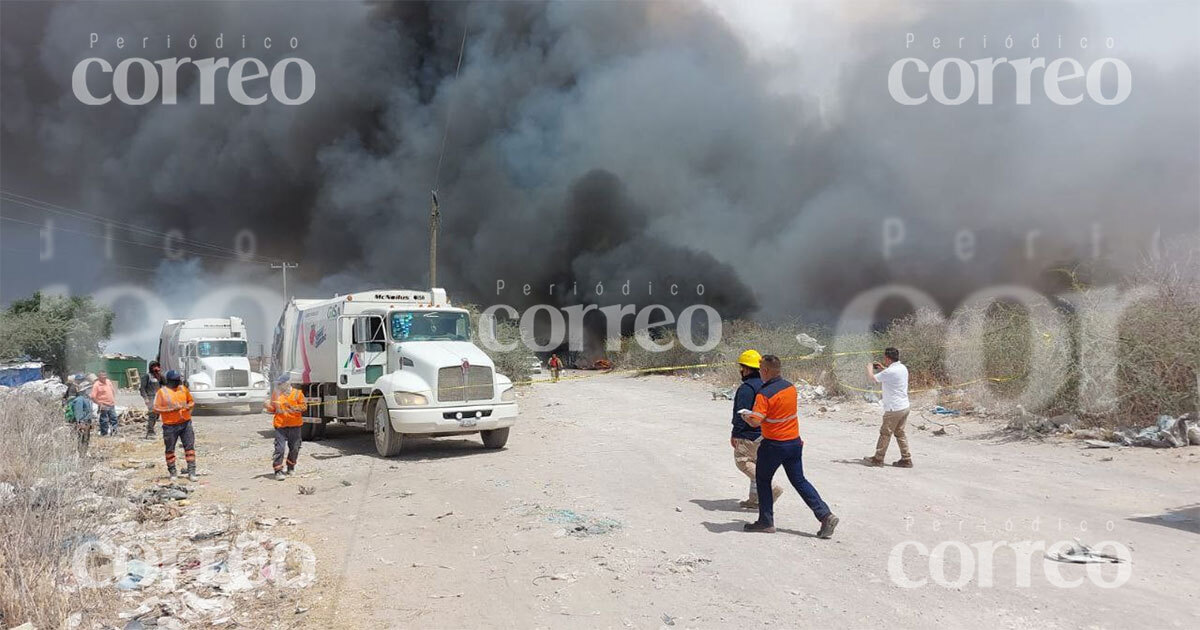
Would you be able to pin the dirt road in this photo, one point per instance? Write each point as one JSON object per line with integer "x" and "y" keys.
{"x": 614, "y": 505}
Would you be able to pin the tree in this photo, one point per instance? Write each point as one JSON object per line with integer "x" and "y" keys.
{"x": 64, "y": 333}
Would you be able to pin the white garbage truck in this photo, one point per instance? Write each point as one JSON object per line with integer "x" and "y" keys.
{"x": 395, "y": 362}
{"x": 210, "y": 353}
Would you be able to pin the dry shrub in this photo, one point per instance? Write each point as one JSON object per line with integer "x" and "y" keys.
{"x": 1158, "y": 348}
{"x": 920, "y": 337}
{"x": 42, "y": 483}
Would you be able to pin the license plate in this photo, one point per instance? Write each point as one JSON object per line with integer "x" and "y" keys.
{"x": 468, "y": 422}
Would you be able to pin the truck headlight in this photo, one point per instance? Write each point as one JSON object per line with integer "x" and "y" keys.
{"x": 408, "y": 399}
{"x": 201, "y": 386}
{"x": 508, "y": 395}
{"x": 260, "y": 384}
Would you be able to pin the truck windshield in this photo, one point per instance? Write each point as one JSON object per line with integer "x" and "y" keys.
{"x": 430, "y": 326}
{"x": 223, "y": 348}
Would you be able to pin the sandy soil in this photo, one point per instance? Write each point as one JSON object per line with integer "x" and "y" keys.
{"x": 615, "y": 505}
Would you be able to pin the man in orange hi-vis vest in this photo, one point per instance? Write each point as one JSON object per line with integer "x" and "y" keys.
{"x": 174, "y": 406}
{"x": 776, "y": 411}
{"x": 288, "y": 405}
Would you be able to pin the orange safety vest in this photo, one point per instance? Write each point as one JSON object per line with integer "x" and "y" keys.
{"x": 174, "y": 406}
{"x": 288, "y": 408}
{"x": 775, "y": 405}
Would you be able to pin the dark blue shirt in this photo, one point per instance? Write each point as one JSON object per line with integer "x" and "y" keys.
{"x": 744, "y": 399}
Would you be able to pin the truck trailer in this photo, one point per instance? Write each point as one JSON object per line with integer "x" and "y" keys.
{"x": 210, "y": 353}
{"x": 394, "y": 362}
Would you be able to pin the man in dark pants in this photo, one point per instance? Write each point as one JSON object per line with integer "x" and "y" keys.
{"x": 151, "y": 382}
{"x": 775, "y": 410}
{"x": 174, "y": 405}
{"x": 744, "y": 438}
{"x": 289, "y": 405}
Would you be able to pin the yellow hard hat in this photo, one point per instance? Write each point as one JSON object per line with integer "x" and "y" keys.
{"x": 750, "y": 358}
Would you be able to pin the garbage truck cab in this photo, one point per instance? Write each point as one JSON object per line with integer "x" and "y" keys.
{"x": 210, "y": 353}
{"x": 395, "y": 362}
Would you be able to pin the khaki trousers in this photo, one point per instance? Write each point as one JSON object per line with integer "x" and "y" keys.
{"x": 894, "y": 423}
{"x": 745, "y": 457}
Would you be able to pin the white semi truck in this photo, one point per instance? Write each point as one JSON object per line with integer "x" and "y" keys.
{"x": 394, "y": 362}
{"x": 210, "y": 353}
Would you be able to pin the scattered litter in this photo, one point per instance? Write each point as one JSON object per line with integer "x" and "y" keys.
{"x": 438, "y": 518}
{"x": 582, "y": 525}
{"x": 162, "y": 494}
{"x": 1080, "y": 553}
{"x": 135, "y": 572}
{"x": 307, "y": 489}
{"x": 668, "y": 619}
{"x": 943, "y": 411}
{"x": 809, "y": 342}
{"x": 723, "y": 394}
{"x": 445, "y": 596}
{"x": 1167, "y": 432}
{"x": 1098, "y": 444}
{"x": 346, "y": 482}
{"x": 687, "y": 563}
{"x": 300, "y": 610}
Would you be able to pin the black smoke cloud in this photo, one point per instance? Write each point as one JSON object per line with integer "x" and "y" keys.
{"x": 603, "y": 142}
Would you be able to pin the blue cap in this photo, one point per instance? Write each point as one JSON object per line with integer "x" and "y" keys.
{"x": 174, "y": 375}
{"x": 282, "y": 378}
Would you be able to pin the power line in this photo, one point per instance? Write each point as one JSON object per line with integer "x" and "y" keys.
{"x": 134, "y": 243}
{"x": 47, "y": 206}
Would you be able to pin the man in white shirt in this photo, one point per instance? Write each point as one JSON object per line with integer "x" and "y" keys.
{"x": 892, "y": 375}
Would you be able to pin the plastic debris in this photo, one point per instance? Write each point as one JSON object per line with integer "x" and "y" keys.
{"x": 1080, "y": 553}
{"x": 582, "y": 525}
{"x": 809, "y": 342}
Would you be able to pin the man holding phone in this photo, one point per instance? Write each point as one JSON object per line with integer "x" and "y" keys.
{"x": 892, "y": 376}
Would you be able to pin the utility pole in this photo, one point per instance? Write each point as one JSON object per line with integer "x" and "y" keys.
{"x": 285, "y": 266}
{"x": 435, "y": 220}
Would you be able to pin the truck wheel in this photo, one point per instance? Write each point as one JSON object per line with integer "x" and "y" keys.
{"x": 496, "y": 438}
{"x": 387, "y": 440}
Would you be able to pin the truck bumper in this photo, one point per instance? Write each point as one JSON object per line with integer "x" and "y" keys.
{"x": 226, "y": 397}
{"x": 445, "y": 420}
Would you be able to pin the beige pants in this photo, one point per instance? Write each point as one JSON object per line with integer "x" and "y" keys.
{"x": 745, "y": 457}
{"x": 894, "y": 423}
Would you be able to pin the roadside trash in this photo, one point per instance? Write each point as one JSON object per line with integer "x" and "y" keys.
{"x": 346, "y": 483}
{"x": 1080, "y": 553}
{"x": 942, "y": 411}
{"x": 1099, "y": 444}
{"x": 582, "y": 525}
{"x": 135, "y": 572}
{"x": 668, "y": 619}
{"x": 723, "y": 394}
{"x": 162, "y": 494}
{"x": 809, "y": 342}
{"x": 307, "y": 489}
{"x": 1167, "y": 432}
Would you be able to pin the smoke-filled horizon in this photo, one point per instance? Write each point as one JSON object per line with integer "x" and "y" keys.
{"x": 602, "y": 142}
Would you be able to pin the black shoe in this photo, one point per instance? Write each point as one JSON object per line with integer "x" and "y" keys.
{"x": 759, "y": 527}
{"x": 827, "y": 526}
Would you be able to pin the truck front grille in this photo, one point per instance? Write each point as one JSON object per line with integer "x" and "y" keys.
{"x": 478, "y": 384}
{"x": 232, "y": 377}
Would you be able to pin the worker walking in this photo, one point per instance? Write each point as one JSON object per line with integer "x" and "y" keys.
{"x": 174, "y": 405}
{"x": 745, "y": 438}
{"x": 555, "y": 364}
{"x": 151, "y": 382}
{"x": 288, "y": 405}
{"x": 104, "y": 394}
{"x": 892, "y": 376}
{"x": 81, "y": 412}
{"x": 775, "y": 410}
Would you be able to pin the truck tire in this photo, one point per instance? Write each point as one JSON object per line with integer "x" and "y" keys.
{"x": 312, "y": 431}
{"x": 496, "y": 438}
{"x": 387, "y": 440}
